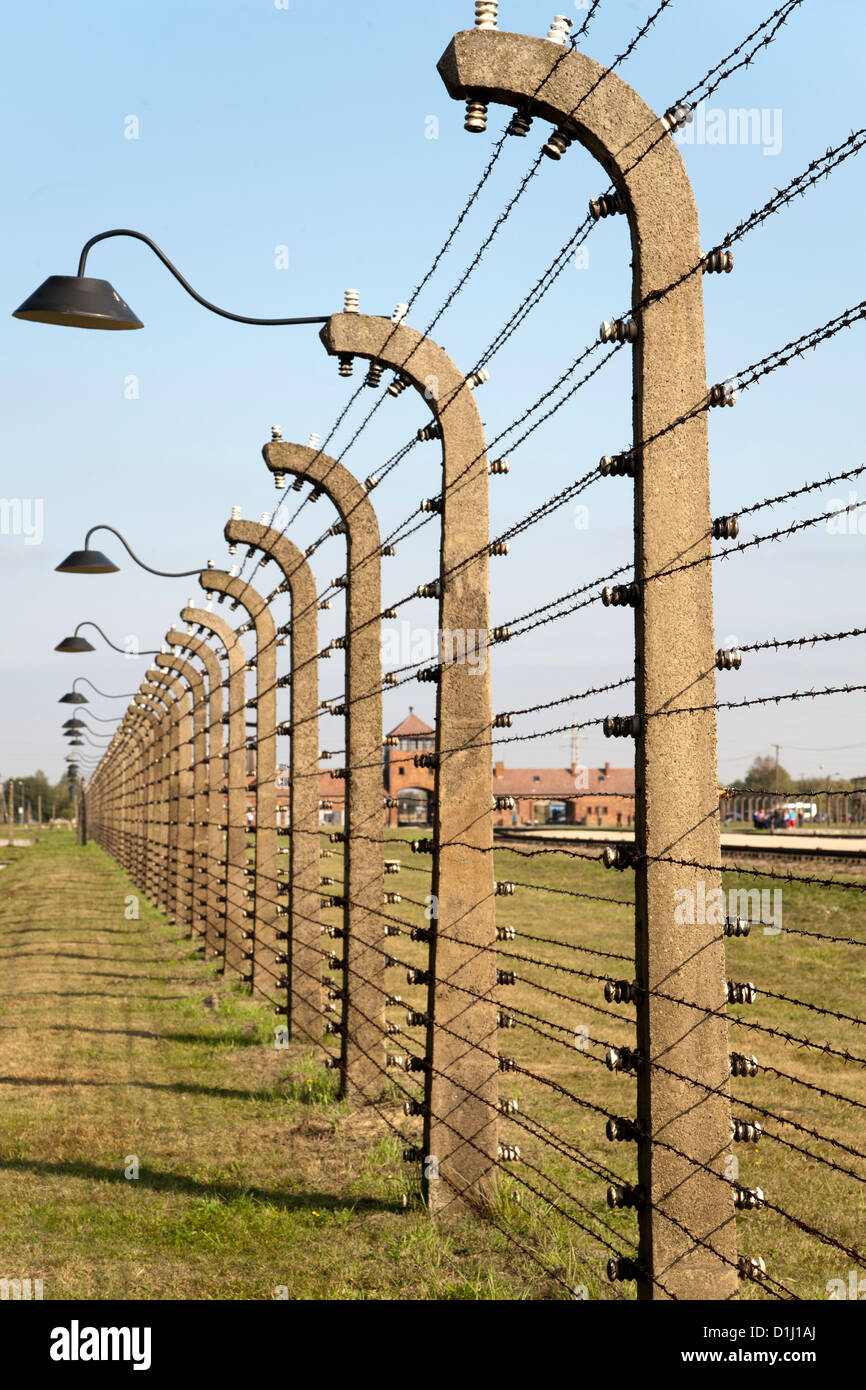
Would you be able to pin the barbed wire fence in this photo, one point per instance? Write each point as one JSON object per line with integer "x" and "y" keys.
{"x": 517, "y": 1035}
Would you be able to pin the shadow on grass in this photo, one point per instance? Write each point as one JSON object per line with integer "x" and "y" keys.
{"x": 81, "y": 955}
{"x": 6, "y": 925}
{"x": 102, "y": 994}
{"x": 264, "y": 1093}
{"x": 191, "y": 1187}
{"x": 145, "y": 975}
{"x": 225, "y": 1039}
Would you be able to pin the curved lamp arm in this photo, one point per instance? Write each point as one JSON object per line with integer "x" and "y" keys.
{"x": 164, "y": 574}
{"x": 214, "y": 309}
{"x": 88, "y": 623}
{"x": 125, "y": 695}
{"x": 103, "y": 719}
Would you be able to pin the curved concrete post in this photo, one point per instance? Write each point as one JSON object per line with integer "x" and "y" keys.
{"x": 96, "y": 809}
{"x": 179, "y": 788}
{"x": 462, "y": 1077}
{"x": 123, "y": 753}
{"x": 212, "y": 890}
{"x": 101, "y": 794}
{"x": 160, "y": 703}
{"x": 82, "y": 814}
{"x": 155, "y": 791}
{"x": 140, "y": 725}
{"x": 105, "y": 794}
{"x": 117, "y": 758}
{"x": 303, "y": 959}
{"x": 192, "y": 829}
{"x": 676, "y": 788}
{"x": 261, "y": 915}
{"x": 362, "y": 1035}
{"x": 234, "y": 944}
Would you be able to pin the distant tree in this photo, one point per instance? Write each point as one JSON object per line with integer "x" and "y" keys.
{"x": 764, "y": 777}
{"x": 28, "y": 790}
{"x": 64, "y": 797}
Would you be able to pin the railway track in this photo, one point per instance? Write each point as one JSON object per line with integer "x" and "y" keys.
{"x": 853, "y": 860}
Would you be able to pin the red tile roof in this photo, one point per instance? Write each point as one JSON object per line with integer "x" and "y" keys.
{"x": 552, "y": 781}
{"x": 411, "y": 727}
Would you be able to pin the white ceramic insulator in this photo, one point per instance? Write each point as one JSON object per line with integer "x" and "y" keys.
{"x": 265, "y": 519}
{"x": 236, "y": 513}
{"x": 400, "y": 313}
{"x": 352, "y": 302}
{"x": 559, "y": 29}
{"x": 313, "y": 441}
{"x": 486, "y": 14}
{"x": 276, "y": 432}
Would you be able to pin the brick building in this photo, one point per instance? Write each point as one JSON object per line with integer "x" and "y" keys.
{"x": 410, "y": 786}
{"x": 575, "y": 795}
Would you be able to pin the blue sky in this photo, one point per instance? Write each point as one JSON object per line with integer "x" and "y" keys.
{"x": 261, "y": 127}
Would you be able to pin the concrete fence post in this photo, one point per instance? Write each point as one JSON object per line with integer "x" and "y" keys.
{"x": 145, "y": 723}
{"x": 461, "y": 1083}
{"x": 212, "y": 863}
{"x": 179, "y": 835}
{"x": 362, "y": 1037}
{"x": 261, "y": 947}
{"x": 235, "y": 799}
{"x": 135, "y": 726}
{"x": 303, "y": 958}
{"x": 687, "y": 1237}
{"x": 192, "y": 828}
{"x": 157, "y": 699}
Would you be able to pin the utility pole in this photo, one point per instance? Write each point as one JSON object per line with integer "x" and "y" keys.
{"x": 777, "y": 746}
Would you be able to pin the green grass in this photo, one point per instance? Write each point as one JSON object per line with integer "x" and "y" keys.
{"x": 253, "y": 1176}
{"x": 824, "y": 973}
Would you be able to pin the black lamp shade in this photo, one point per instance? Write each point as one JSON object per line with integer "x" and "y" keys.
{"x": 76, "y": 743}
{"x": 74, "y": 644}
{"x": 76, "y": 301}
{"x": 87, "y": 562}
{"x": 74, "y": 723}
{"x": 72, "y": 697}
